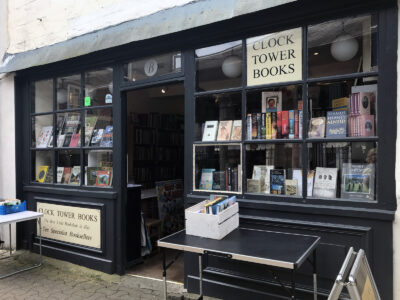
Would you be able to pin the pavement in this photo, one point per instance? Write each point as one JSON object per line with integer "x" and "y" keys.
{"x": 57, "y": 279}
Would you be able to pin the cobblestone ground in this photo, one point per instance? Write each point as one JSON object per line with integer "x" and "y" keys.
{"x": 61, "y": 280}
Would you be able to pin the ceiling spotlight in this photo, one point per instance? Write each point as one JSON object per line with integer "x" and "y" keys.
{"x": 316, "y": 53}
{"x": 163, "y": 90}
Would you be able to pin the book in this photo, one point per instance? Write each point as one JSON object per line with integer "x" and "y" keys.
{"x": 91, "y": 175}
{"x": 300, "y": 104}
{"x": 219, "y": 181}
{"x": 274, "y": 129}
{"x": 60, "y": 140}
{"x": 66, "y": 175}
{"x": 206, "y": 179}
{"x": 224, "y": 130}
{"x": 366, "y": 125}
{"x": 364, "y": 103}
{"x": 291, "y": 124}
{"x": 325, "y": 182}
{"x": 358, "y": 181}
{"x": 222, "y": 205}
{"x": 259, "y": 173}
{"x": 296, "y": 124}
{"x": 75, "y": 140}
{"x": 236, "y": 130}
{"x": 259, "y": 125}
{"x": 210, "y": 131}
{"x": 41, "y": 176}
{"x": 103, "y": 178}
{"x": 228, "y": 179}
{"x": 297, "y": 174}
{"x": 263, "y": 126}
{"x": 253, "y": 126}
{"x": 336, "y": 124}
{"x": 75, "y": 177}
{"x": 44, "y": 137}
{"x": 271, "y": 101}
{"x": 90, "y": 124}
{"x": 60, "y": 172}
{"x": 285, "y": 124}
{"x": 97, "y": 136}
{"x": 291, "y": 187}
{"x": 72, "y": 122}
{"x": 268, "y": 126}
{"x": 340, "y": 104}
{"x": 310, "y": 182}
{"x": 253, "y": 186}
{"x": 49, "y": 176}
{"x": 317, "y": 128}
{"x": 249, "y": 127}
{"x": 279, "y": 125}
{"x": 107, "y": 139}
{"x": 277, "y": 181}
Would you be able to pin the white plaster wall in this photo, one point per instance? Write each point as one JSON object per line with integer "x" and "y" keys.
{"x": 37, "y": 23}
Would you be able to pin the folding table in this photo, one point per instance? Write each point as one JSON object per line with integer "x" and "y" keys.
{"x": 273, "y": 249}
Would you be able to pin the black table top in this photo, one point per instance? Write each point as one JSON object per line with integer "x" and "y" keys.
{"x": 285, "y": 250}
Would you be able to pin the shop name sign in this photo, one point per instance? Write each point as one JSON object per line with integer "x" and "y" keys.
{"x": 275, "y": 57}
{"x": 71, "y": 224}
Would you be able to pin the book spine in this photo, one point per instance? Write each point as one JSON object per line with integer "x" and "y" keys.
{"x": 300, "y": 124}
{"x": 249, "y": 127}
{"x": 229, "y": 182}
{"x": 291, "y": 124}
{"x": 273, "y": 125}
{"x": 263, "y": 126}
{"x": 254, "y": 126}
{"x": 296, "y": 124}
{"x": 279, "y": 124}
{"x": 285, "y": 124}
{"x": 268, "y": 126}
{"x": 259, "y": 126}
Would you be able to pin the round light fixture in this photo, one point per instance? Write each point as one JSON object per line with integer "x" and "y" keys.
{"x": 232, "y": 66}
{"x": 344, "y": 47}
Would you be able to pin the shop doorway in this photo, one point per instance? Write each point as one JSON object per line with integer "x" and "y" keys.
{"x": 155, "y": 160}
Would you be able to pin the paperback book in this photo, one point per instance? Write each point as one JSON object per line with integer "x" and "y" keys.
{"x": 325, "y": 182}
{"x": 224, "y": 130}
{"x": 44, "y": 137}
{"x": 336, "y": 124}
{"x": 66, "y": 175}
{"x": 291, "y": 187}
{"x": 358, "y": 181}
{"x": 107, "y": 140}
{"x": 210, "y": 131}
{"x": 41, "y": 176}
{"x": 206, "y": 179}
{"x": 75, "y": 177}
{"x": 236, "y": 130}
{"x": 317, "y": 128}
{"x": 103, "y": 178}
{"x": 277, "y": 181}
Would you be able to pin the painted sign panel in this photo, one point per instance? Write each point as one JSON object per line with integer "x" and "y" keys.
{"x": 71, "y": 224}
{"x": 275, "y": 57}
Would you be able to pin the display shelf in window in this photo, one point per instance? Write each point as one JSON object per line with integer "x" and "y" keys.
{"x": 42, "y": 131}
{"x": 217, "y": 168}
{"x": 99, "y": 128}
{"x": 274, "y": 169}
{"x": 343, "y": 170}
{"x": 68, "y": 130}
{"x": 99, "y": 168}
{"x": 343, "y": 110}
{"x": 68, "y": 167}
{"x": 69, "y": 92}
{"x": 42, "y": 167}
{"x": 274, "y": 114}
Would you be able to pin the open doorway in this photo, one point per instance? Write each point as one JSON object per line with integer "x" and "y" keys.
{"x": 155, "y": 158}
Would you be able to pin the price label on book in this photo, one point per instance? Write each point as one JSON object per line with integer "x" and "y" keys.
{"x": 87, "y": 101}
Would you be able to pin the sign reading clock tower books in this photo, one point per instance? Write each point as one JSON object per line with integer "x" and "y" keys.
{"x": 274, "y": 57}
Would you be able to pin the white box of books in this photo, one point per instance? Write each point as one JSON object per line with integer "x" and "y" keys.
{"x": 209, "y": 225}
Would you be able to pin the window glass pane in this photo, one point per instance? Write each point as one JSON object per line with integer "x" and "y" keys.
{"x": 218, "y": 117}
{"x": 68, "y": 167}
{"x": 42, "y": 131}
{"x": 219, "y": 67}
{"x": 43, "y": 96}
{"x": 98, "y": 128}
{"x": 342, "y": 170}
{"x": 42, "y": 163}
{"x": 274, "y": 169}
{"x": 343, "y": 46}
{"x": 218, "y": 168}
{"x": 99, "y": 168}
{"x": 99, "y": 87}
{"x": 275, "y": 113}
{"x": 69, "y": 92}
{"x": 69, "y": 130}
{"x": 343, "y": 109}
{"x": 153, "y": 66}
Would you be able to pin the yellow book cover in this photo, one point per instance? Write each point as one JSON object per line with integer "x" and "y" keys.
{"x": 268, "y": 126}
{"x": 213, "y": 202}
{"x": 41, "y": 176}
{"x": 340, "y": 104}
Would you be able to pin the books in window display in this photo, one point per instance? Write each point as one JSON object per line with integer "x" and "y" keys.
{"x": 224, "y": 130}
{"x": 103, "y": 177}
{"x": 206, "y": 179}
{"x": 41, "y": 176}
{"x": 358, "y": 181}
{"x": 277, "y": 181}
{"x": 236, "y": 130}
{"x": 66, "y": 175}
{"x": 325, "y": 182}
{"x": 317, "y": 127}
{"x": 49, "y": 176}
{"x": 97, "y": 136}
{"x": 336, "y": 124}
{"x": 219, "y": 182}
{"x": 107, "y": 140}
{"x": 90, "y": 124}
{"x": 75, "y": 177}
{"x": 44, "y": 137}
{"x": 70, "y": 128}
{"x": 210, "y": 131}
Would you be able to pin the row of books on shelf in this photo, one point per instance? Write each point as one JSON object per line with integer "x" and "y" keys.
{"x": 229, "y": 179}
{"x": 217, "y": 204}
{"x": 157, "y": 120}
{"x": 98, "y": 176}
{"x": 150, "y": 137}
{"x": 230, "y": 130}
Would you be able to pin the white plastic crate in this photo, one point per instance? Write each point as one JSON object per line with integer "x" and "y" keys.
{"x": 211, "y": 226}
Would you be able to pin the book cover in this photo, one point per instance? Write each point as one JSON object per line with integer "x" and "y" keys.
{"x": 263, "y": 126}
{"x": 367, "y": 125}
{"x": 91, "y": 175}
{"x": 249, "y": 127}
{"x": 258, "y": 115}
{"x": 41, "y": 176}
{"x": 274, "y": 129}
{"x": 75, "y": 177}
{"x": 224, "y": 130}
{"x": 300, "y": 124}
{"x": 310, "y": 182}
{"x": 259, "y": 173}
{"x": 75, "y": 139}
{"x": 60, "y": 172}
{"x": 268, "y": 126}
{"x": 44, "y": 137}
{"x": 340, "y": 104}
{"x": 210, "y": 131}
{"x": 296, "y": 124}
{"x": 206, "y": 179}
{"x": 228, "y": 179}
{"x": 97, "y": 136}
{"x": 317, "y": 128}
{"x": 291, "y": 124}
{"x": 90, "y": 124}
{"x": 365, "y": 103}
{"x": 279, "y": 125}
{"x": 358, "y": 181}
{"x": 253, "y": 186}
{"x": 285, "y": 124}
{"x": 49, "y": 176}
{"x": 325, "y": 182}
{"x": 235, "y": 178}
{"x": 300, "y": 104}
{"x": 107, "y": 140}
{"x": 291, "y": 187}
{"x": 219, "y": 181}
{"x": 60, "y": 140}
{"x": 336, "y": 124}
{"x": 253, "y": 126}
{"x": 277, "y": 181}
{"x": 222, "y": 205}
{"x": 103, "y": 178}
{"x": 297, "y": 174}
{"x": 66, "y": 175}
{"x": 271, "y": 101}
{"x": 236, "y": 130}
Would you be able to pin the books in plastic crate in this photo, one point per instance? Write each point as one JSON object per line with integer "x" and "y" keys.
{"x": 10, "y": 209}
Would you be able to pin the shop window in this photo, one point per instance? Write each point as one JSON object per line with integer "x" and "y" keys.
{"x": 68, "y": 167}
{"x": 42, "y": 96}
{"x": 98, "y": 87}
{"x": 68, "y": 92}
{"x": 42, "y": 166}
{"x": 98, "y": 168}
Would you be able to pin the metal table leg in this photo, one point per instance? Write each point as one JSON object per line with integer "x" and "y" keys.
{"x": 315, "y": 273}
{"x": 164, "y": 275}
{"x": 9, "y": 230}
{"x": 293, "y": 284}
{"x": 201, "y": 276}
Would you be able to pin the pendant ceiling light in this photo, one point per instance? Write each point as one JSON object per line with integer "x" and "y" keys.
{"x": 344, "y": 47}
{"x": 232, "y": 66}
{"x": 61, "y": 93}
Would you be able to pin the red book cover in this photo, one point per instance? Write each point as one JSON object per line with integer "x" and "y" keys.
{"x": 103, "y": 178}
{"x": 75, "y": 140}
{"x": 279, "y": 125}
{"x": 296, "y": 124}
{"x": 285, "y": 124}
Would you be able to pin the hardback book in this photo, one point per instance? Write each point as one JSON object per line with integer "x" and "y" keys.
{"x": 366, "y": 125}
{"x": 279, "y": 125}
{"x": 310, "y": 182}
{"x": 210, "y": 131}
{"x": 206, "y": 179}
{"x": 219, "y": 181}
{"x": 253, "y": 126}
{"x": 358, "y": 181}
{"x": 274, "y": 129}
{"x": 253, "y": 185}
{"x": 103, "y": 178}
{"x": 300, "y": 124}
{"x": 325, "y": 182}
{"x": 60, "y": 140}
{"x": 271, "y": 101}
{"x": 267, "y": 183}
{"x": 107, "y": 140}
{"x": 224, "y": 130}
{"x": 60, "y": 172}
{"x": 285, "y": 124}
{"x": 97, "y": 136}
{"x": 66, "y": 175}
{"x": 249, "y": 127}
{"x": 268, "y": 126}
{"x": 41, "y": 175}
{"x": 90, "y": 124}
{"x": 91, "y": 175}
{"x": 236, "y": 130}
{"x": 296, "y": 124}
{"x": 291, "y": 187}
{"x": 364, "y": 103}
{"x": 259, "y": 173}
{"x": 336, "y": 124}
{"x": 75, "y": 140}
{"x": 340, "y": 104}
{"x": 317, "y": 128}
{"x": 291, "y": 124}
{"x": 297, "y": 174}
{"x": 277, "y": 181}
{"x": 44, "y": 137}
{"x": 259, "y": 125}
{"x": 75, "y": 177}
{"x": 263, "y": 127}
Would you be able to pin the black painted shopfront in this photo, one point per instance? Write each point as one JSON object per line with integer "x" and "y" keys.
{"x": 321, "y": 73}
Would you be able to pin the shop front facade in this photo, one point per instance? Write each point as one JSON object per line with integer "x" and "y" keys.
{"x": 292, "y": 109}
